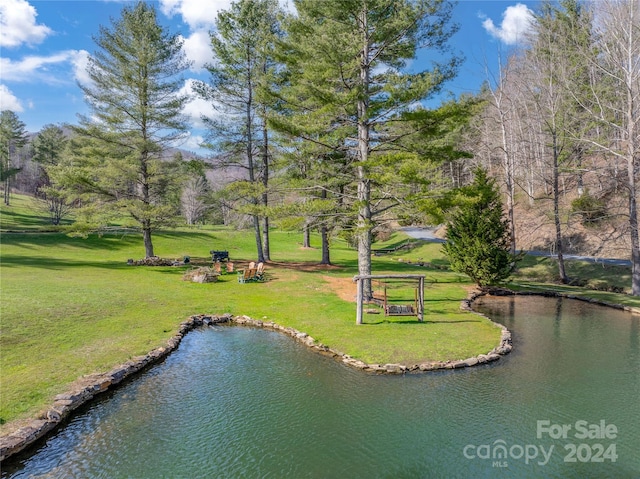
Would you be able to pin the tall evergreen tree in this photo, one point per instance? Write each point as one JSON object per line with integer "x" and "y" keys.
{"x": 48, "y": 151}
{"x": 317, "y": 178}
{"x": 12, "y": 137}
{"x": 136, "y": 115}
{"x": 347, "y": 64}
{"x": 48, "y": 145}
{"x": 243, "y": 65}
{"x": 478, "y": 238}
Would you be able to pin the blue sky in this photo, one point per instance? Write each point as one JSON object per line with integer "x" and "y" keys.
{"x": 44, "y": 47}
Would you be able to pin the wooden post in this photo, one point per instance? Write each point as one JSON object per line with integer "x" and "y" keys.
{"x": 360, "y": 295}
{"x": 421, "y": 299}
{"x": 359, "y": 301}
{"x": 384, "y": 303}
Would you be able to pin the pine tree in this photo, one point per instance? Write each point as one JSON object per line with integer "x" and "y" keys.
{"x": 478, "y": 237}
{"x": 48, "y": 145}
{"x": 347, "y": 66}
{"x": 243, "y": 66}
{"x": 317, "y": 179}
{"x": 12, "y": 137}
{"x": 136, "y": 115}
{"x": 48, "y": 151}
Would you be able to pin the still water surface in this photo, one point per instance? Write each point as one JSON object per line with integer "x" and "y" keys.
{"x": 235, "y": 402}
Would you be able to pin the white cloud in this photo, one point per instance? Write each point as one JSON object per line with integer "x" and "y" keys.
{"x": 201, "y": 15}
{"x": 8, "y": 101}
{"x": 516, "y": 22}
{"x": 170, "y": 7}
{"x": 193, "y": 143}
{"x": 80, "y": 61}
{"x": 198, "y": 49}
{"x": 195, "y": 13}
{"x": 18, "y": 24}
{"x": 197, "y": 107}
{"x": 40, "y": 68}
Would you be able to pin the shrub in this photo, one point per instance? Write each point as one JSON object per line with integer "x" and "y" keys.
{"x": 478, "y": 241}
{"x": 591, "y": 209}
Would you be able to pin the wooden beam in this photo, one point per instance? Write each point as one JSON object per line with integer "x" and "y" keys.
{"x": 390, "y": 276}
{"x": 359, "y": 301}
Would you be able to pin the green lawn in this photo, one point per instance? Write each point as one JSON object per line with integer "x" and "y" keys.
{"x": 72, "y": 306}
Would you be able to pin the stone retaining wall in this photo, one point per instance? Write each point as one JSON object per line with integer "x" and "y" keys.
{"x": 90, "y": 386}
{"x": 503, "y": 348}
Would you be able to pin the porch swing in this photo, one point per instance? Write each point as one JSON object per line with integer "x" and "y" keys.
{"x": 381, "y": 297}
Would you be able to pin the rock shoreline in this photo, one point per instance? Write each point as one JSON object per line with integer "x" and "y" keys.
{"x": 557, "y": 294}
{"x": 89, "y": 387}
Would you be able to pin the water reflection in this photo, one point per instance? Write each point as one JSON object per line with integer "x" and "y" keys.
{"x": 239, "y": 402}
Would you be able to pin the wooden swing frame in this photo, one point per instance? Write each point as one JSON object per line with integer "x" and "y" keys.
{"x": 392, "y": 309}
{"x": 418, "y": 302}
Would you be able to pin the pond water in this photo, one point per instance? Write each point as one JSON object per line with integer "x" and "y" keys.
{"x": 239, "y": 402}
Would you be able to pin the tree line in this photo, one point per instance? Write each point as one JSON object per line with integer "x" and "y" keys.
{"x": 321, "y": 118}
{"x": 561, "y": 126}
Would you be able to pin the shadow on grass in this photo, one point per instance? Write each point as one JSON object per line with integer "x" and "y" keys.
{"x": 13, "y": 219}
{"x": 596, "y": 276}
{"x": 414, "y": 321}
{"x": 9, "y": 261}
{"x": 110, "y": 241}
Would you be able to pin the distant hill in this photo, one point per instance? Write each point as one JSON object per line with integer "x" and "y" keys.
{"x": 27, "y": 180}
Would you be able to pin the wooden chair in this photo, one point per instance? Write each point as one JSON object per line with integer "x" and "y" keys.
{"x": 246, "y": 275}
{"x": 217, "y": 267}
{"x": 260, "y": 272}
{"x": 230, "y": 267}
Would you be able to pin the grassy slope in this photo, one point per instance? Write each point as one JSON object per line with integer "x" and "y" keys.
{"x": 72, "y": 306}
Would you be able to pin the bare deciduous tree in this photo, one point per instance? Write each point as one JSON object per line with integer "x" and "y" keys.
{"x": 193, "y": 201}
{"x": 614, "y": 100}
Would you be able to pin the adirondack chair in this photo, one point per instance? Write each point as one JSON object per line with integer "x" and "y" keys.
{"x": 229, "y": 267}
{"x": 246, "y": 275}
{"x": 260, "y": 272}
{"x": 217, "y": 267}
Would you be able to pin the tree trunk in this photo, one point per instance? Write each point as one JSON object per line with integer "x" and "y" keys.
{"x": 509, "y": 173}
{"x": 556, "y": 214}
{"x": 306, "y": 235}
{"x": 256, "y": 228}
{"x": 251, "y": 165}
{"x": 580, "y": 172}
{"x": 364, "y": 185}
{"x": 324, "y": 234}
{"x": 364, "y": 231}
{"x": 146, "y": 199}
{"x": 265, "y": 239}
{"x": 635, "y": 240}
{"x": 7, "y": 186}
{"x": 632, "y": 146}
{"x": 146, "y": 236}
{"x": 635, "y": 246}
{"x": 265, "y": 184}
